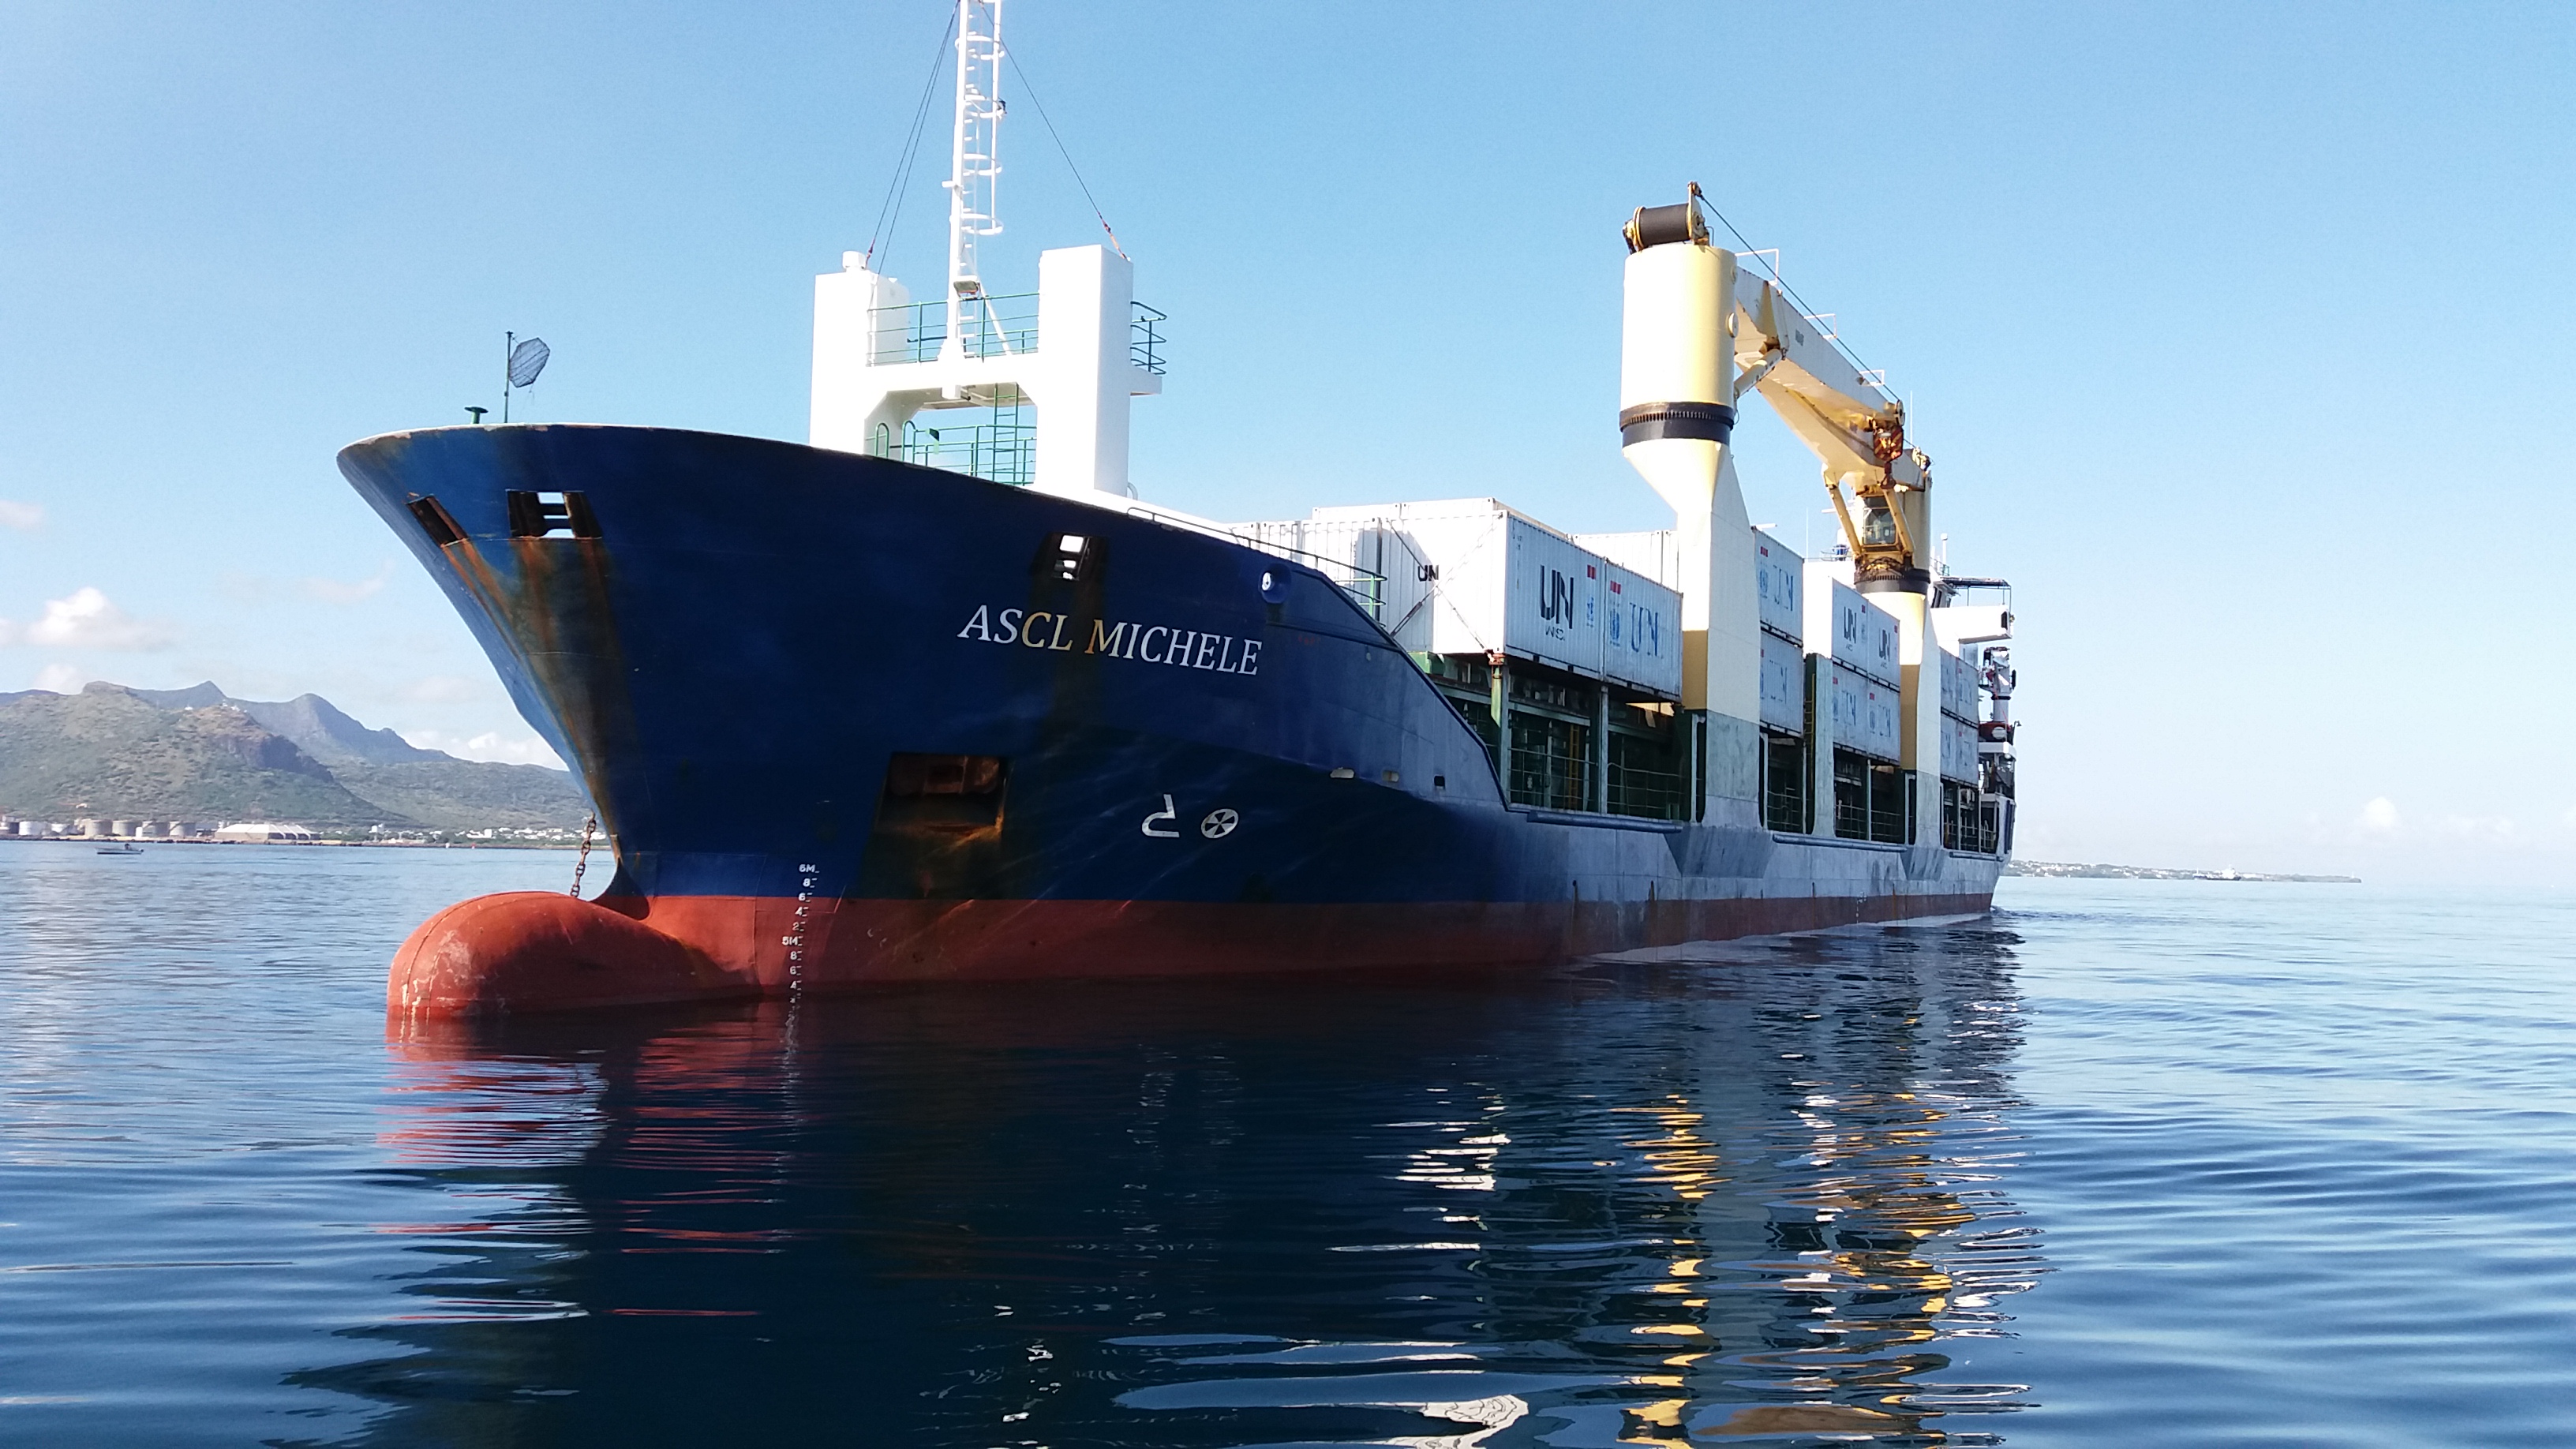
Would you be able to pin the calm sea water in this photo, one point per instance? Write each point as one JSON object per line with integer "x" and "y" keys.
{"x": 2150, "y": 1164}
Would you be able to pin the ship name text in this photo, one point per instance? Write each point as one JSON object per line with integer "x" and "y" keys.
{"x": 1153, "y": 644}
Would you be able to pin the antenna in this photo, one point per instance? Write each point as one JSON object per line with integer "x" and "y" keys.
{"x": 974, "y": 164}
{"x": 522, "y": 363}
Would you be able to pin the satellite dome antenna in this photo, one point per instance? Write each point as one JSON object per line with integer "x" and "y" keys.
{"x": 525, "y": 361}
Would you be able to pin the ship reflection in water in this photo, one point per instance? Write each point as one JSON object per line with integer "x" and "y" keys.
{"x": 1763, "y": 1198}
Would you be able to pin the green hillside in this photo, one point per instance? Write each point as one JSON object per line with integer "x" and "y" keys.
{"x": 104, "y": 752}
{"x": 200, "y": 755}
{"x": 448, "y": 794}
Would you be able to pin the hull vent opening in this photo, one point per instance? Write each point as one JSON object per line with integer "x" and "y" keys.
{"x": 551, "y": 515}
{"x": 1068, "y": 556}
{"x": 944, "y": 793}
{"x": 442, "y": 530}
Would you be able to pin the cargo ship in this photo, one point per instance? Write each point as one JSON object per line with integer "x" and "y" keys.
{"x": 936, "y": 695}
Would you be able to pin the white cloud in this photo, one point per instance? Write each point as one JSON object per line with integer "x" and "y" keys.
{"x": 60, "y": 678}
{"x": 491, "y": 745}
{"x": 2379, "y": 817}
{"x": 332, "y": 591}
{"x": 25, "y": 517}
{"x": 2479, "y": 827}
{"x": 86, "y": 620}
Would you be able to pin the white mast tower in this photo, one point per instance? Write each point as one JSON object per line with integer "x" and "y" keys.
{"x": 880, "y": 360}
{"x": 974, "y": 168}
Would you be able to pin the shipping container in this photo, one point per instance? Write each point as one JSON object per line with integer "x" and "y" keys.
{"x": 1378, "y": 566}
{"x": 1649, "y": 552}
{"x": 1779, "y": 585}
{"x": 1552, "y": 599}
{"x": 1784, "y": 685}
{"x": 1845, "y": 626}
{"x": 1418, "y": 567}
{"x": 1958, "y": 750}
{"x": 1641, "y": 633}
{"x": 1469, "y": 576}
{"x": 1959, "y": 684}
{"x": 1864, "y": 712}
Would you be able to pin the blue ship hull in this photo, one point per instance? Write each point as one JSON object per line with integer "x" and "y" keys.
{"x": 1194, "y": 755}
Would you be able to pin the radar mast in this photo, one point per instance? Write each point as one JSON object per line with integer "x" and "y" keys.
{"x": 974, "y": 167}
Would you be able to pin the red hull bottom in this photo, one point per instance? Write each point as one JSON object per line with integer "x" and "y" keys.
{"x": 535, "y": 951}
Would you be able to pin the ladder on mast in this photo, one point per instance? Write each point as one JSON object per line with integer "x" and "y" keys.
{"x": 975, "y": 171}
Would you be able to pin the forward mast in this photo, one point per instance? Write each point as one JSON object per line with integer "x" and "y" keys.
{"x": 954, "y": 383}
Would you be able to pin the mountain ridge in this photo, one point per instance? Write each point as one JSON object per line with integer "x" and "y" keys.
{"x": 200, "y": 754}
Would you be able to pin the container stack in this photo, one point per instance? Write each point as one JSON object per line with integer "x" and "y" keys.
{"x": 1567, "y": 663}
{"x": 1470, "y": 577}
{"x": 1862, "y": 683}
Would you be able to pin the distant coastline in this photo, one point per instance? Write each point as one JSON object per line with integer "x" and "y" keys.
{"x": 2063, "y": 871}
{"x": 390, "y": 844}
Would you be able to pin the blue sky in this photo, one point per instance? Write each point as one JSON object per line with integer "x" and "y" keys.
{"x": 2236, "y": 332}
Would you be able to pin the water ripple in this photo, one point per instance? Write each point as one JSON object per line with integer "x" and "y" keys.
{"x": 2130, "y": 1165}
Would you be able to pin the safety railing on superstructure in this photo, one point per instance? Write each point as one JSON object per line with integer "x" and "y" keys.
{"x": 1001, "y": 449}
{"x": 1366, "y": 587}
{"x": 1003, "y": 326}
{"x": 1950, "y": 589}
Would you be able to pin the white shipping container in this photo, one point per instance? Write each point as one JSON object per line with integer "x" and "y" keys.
{"x": 1959, "y": 684}
{"x": 1649, "y": 552}
{"x": 1461, "y": 542}
{"x": 1469, "y": 576}
{"x": 1784, "y": 685}
{"x": 1552, "y": 600}
{"x": 1778, "y": 583}
{"x": 1849, "y": 629}
{"x": 1641, "y": 633}
{"x": 1865, "y": 713}
{"x": 1958, "y": 750}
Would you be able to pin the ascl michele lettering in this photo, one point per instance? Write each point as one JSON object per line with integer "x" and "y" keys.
{"x": 1149, "y": 643}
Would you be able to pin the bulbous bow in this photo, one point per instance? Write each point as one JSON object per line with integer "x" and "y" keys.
{"x": 523, "y": 951}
